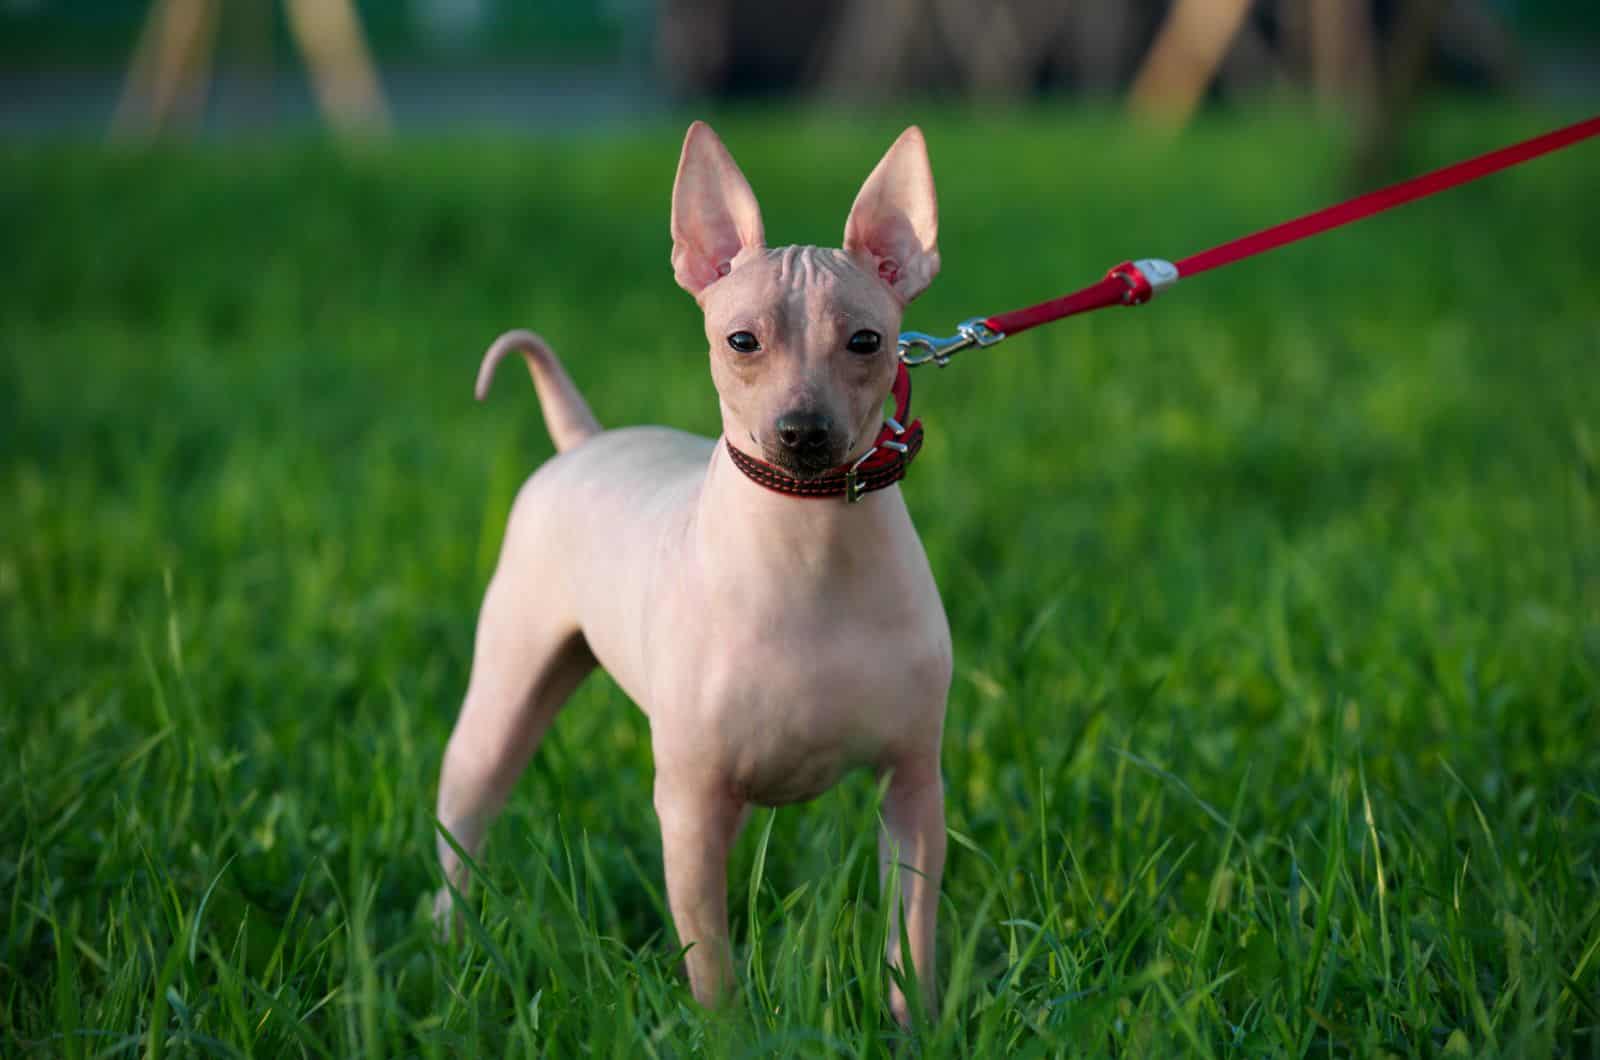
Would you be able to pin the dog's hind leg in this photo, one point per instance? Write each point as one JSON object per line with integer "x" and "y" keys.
{"x": 525, "y": 665}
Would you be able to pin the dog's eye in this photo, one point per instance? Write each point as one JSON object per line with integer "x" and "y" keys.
{"x": 864, "y": 342}
{"x": 744, "y": 342}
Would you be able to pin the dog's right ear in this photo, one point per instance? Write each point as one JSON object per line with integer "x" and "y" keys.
{"x": 714, "y": 212}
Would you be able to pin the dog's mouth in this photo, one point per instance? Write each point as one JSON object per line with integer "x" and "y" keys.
{"x": 804, "y": 463}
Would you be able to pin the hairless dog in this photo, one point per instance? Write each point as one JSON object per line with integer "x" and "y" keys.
{"x": 776, "y": 640}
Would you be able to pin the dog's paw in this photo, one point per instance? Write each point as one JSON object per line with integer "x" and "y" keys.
{"x": 446, "y": 920}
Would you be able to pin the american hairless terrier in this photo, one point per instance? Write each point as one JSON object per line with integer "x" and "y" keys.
{"x": 776, "y": 636}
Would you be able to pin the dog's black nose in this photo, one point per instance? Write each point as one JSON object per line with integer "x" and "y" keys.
{"x": 801, "y": 431}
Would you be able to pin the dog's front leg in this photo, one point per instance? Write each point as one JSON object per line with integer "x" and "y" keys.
{"x": 914, "y": 840}
{"x": 698, "y": 826}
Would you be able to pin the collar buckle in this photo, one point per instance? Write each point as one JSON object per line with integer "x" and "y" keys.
{"x": 852, "y": 480}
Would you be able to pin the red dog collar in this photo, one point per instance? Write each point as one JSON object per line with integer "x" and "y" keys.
{"x": 884, "y": 464}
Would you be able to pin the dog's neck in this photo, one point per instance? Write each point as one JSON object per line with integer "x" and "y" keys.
{"x": 742, "y": 522}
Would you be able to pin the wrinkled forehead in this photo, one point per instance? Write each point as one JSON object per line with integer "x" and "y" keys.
{"x": 785, "y": 288}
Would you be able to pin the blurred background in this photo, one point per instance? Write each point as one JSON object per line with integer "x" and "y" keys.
{"x": 250, "y": 65}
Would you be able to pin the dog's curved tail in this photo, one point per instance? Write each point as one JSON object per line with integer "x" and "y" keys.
{"x": 566, "y": 414}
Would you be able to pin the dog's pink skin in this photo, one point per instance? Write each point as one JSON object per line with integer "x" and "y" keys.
{"x": 774, "y": 642}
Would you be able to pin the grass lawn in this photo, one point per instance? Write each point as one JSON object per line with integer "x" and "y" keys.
{"x": 1275, "y": 728}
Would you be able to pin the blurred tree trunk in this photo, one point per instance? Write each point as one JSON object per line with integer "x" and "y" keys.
{"x": 1099, "y": 47}
{"x": 1184, "y": 59}
{"x": 873, "y": 49}
{"x": 1405, "y": 64}
{"x": 1252, "y": 65}
{"x": 170, "y": 69}
{"x": 1343, "y": 56}
{"x": 998, "y": 47}
{"x": 692, "y": 44}
{"x": 1469, "y": 28}
{"x": 346, "y": 83}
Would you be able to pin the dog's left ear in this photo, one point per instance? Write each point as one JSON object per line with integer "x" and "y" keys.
{"x": 894, "y": 223}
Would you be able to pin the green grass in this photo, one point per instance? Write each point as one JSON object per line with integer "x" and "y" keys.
{"x": 1275, "y": 728}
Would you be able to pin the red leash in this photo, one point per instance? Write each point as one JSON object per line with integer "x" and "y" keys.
{"x": 1136, "y": 282}
{"x": 1131, "y": 283}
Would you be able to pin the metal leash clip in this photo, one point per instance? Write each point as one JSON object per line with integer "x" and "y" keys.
{"x": 973, "y": 332}
{"x": 852, "y": 481}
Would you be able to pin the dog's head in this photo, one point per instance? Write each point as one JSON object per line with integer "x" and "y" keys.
{"x": 803, "y": 338}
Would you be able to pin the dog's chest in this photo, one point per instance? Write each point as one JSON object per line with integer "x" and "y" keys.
{"x": 786, "y": 725}
{"x": 775, "y": 656}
